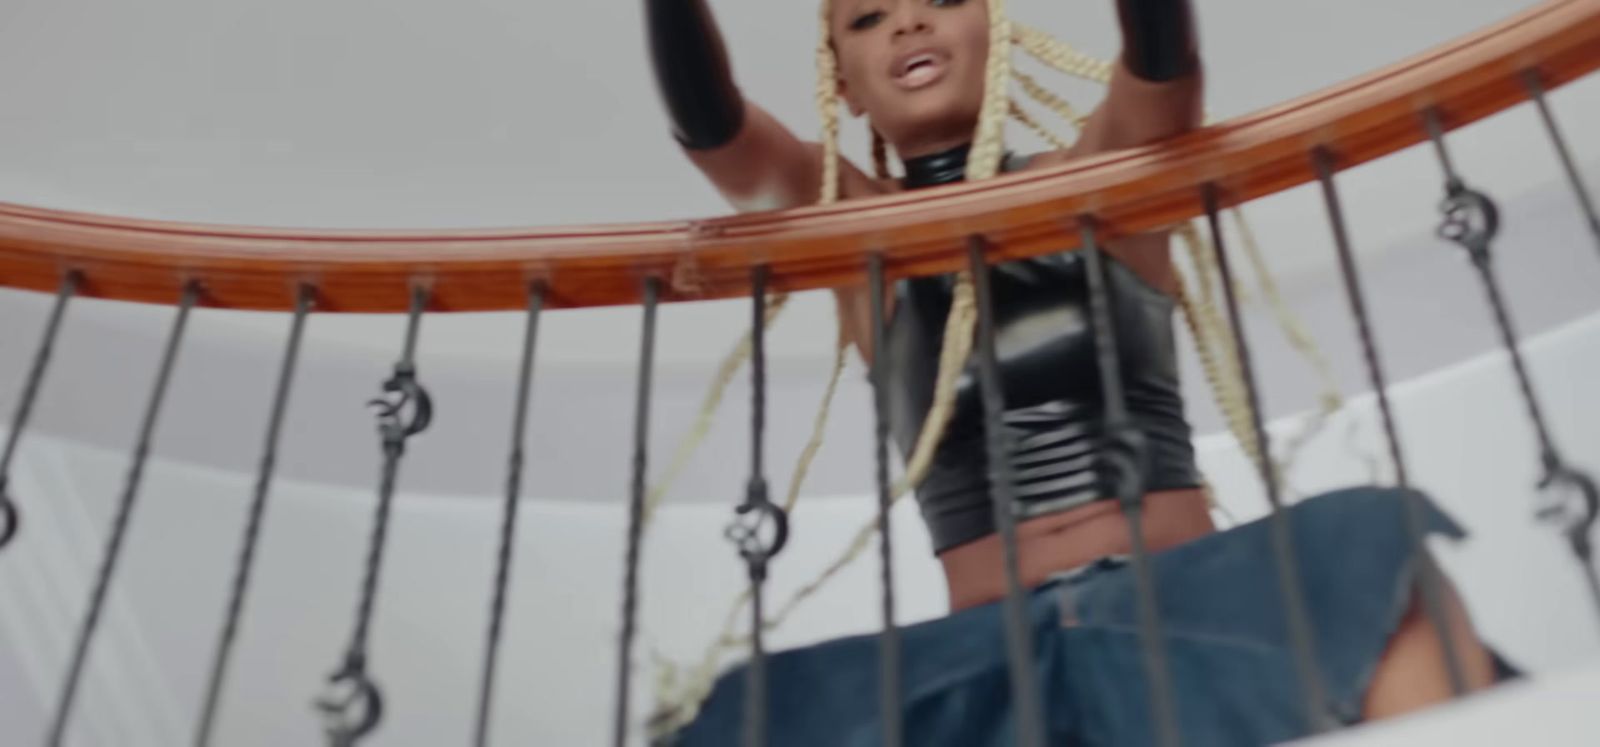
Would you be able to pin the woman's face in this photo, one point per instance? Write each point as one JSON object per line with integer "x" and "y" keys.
{"x": 914, "y": 67}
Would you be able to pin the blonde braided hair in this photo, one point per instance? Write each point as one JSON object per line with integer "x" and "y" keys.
{"x": 880, "y": 156}
{"x": 1056, "y": 54}
{"x": 1024, "y": 118}
{"x": 1044, "y": 96}
{"x": 680, "y": 698}
{"x": 1213, "y": 337}
{"x": 827, "y": 105}
{"x": 827, "y": 95}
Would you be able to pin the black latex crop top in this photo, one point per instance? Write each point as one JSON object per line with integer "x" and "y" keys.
{"x": 1045, "y": 346}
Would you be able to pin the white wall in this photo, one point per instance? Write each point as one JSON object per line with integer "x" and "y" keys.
{"x": 1466, "y": 438}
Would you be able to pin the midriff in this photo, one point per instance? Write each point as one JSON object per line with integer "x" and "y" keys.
{"x": 975, "y": 571}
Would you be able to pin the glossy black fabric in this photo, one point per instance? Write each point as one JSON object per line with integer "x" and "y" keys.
{"x": 691, "y": 66}
{"x": 1053, "y": 415}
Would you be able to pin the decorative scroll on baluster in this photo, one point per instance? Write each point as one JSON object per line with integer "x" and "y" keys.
{"x": 889, "y": 678}
{"x": 1312, "y": 692}
{"x": 1579, "y": 189}
{"x": 252, "y": 532}
{"x": 119, "y": 524}
{"x": 756, "y": 516}
{"x": 352, "y": 704}
{"x": 508, "y": 521}
{"x": 1121, "y": 471}
{"x": 1029, "y": 711}
{"x": 1568, "y": 498}
{"x": 1430, "y": 580}
{"x": 641, "y": 438}
{"x": 10, "y": 515}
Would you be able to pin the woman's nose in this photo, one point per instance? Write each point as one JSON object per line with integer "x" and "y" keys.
{"x": 910, "y": 18}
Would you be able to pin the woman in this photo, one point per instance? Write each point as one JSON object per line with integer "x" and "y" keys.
{"x": 917, "y": 71}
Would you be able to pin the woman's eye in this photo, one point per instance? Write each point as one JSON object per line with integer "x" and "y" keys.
{"x": 942, "y": 3}
{"x": 866, "y": 21}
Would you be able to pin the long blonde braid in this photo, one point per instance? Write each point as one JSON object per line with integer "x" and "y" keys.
{"x": 827, "y": 96}
{"x": 880, "y": 155}
{"x": 681, "y": 698}
{"x": 1329, "y": 400}
{"x": 1196, "y": 296}
{"x": 828, "y": 107}
{"x": 1056, "y": 54}
{"x": 1024, "y": 118}
{"x": 1213, "y": 338}
{"x": 1202, "y": 315}
{"x": 983, "y": 162}
{"x": 736, "y": 358}
{"x": 1039, "y": 93}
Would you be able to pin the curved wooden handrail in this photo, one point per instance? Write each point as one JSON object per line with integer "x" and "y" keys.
{"x": 1021, "y": 214}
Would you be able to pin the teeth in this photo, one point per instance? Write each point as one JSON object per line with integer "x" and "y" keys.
{"x": 919, "y": 60}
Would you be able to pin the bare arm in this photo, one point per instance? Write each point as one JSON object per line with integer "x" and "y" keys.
{"x": 1156, "y": 92}
{"x": 1155, "y": 89}
{"x": 753, "y": 160}
{"x": 764, "y": 166}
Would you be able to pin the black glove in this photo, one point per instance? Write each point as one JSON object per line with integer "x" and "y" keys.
{"x": 692, "y": 72}
{"x": 1158, "y": 39}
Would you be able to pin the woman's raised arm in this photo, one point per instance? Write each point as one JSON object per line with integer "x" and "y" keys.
{"x": 754, "y": 161}
{"x": 1156, "y": 84}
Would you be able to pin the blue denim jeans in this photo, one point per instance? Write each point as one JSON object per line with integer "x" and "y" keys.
{"x": 1224, "y": 632}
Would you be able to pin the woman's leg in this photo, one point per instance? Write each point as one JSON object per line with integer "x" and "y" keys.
{"x": 1412, "y": 674}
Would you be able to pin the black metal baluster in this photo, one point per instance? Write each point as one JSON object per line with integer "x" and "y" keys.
{"x": 1585, "y": 200}
{"x": 1569, "y": 497}
{"x": 889, "y": 641}
{"x": 252, "y": 531}
{"x": 641, "y": 432}
{"x": 352, "y": 705}
{"x": 1122, "y": 474}
{"x": 508, "y": 521}
{"x": 1301, "y": 637}
{"x": 10, "y": 516}
{"x": 1029, "y": 710}
{"x": 119, "y": 524}
{"x": 753, "y": 518}
{"x": 1430, "y": 580}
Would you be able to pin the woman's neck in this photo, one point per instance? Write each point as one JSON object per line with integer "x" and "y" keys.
{"x": 942, "y": 167}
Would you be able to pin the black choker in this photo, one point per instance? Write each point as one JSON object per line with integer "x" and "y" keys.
{"x": 943, "y": 167}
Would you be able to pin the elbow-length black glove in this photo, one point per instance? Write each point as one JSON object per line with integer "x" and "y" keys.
{"x": 1158, "y": 39}
{"x": 692, "y": 72}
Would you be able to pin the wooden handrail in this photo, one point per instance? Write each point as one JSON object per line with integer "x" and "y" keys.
{"x": 1022, "y": 214}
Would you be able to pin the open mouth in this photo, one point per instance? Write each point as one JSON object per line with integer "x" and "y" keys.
{"x": 919, "y": 69}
